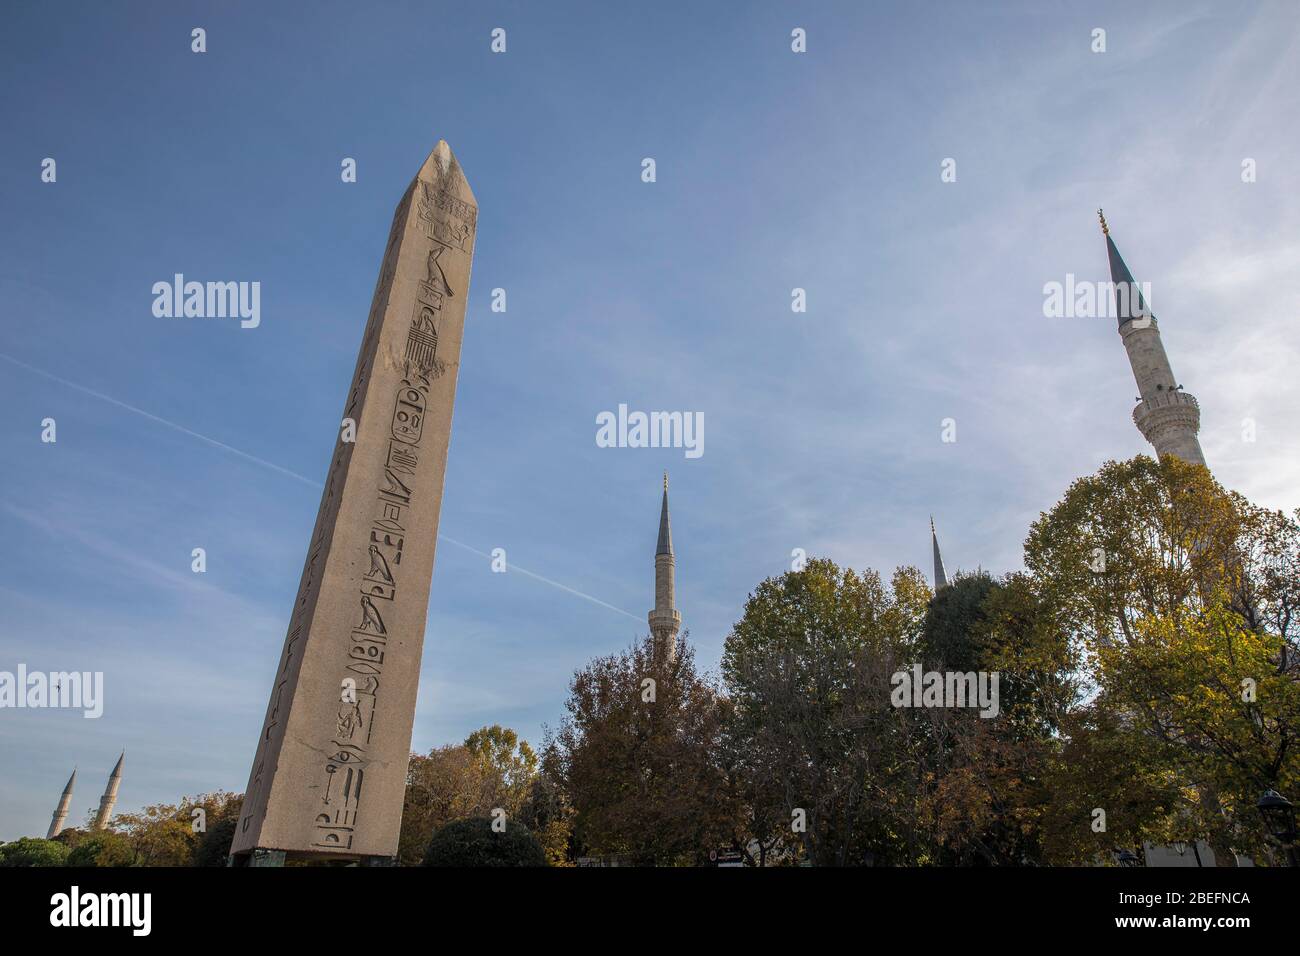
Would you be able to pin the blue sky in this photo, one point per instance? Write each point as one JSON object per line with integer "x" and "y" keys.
{"x": 775, "y": 170}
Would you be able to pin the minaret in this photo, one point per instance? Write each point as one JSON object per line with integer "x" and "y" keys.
{"x": 61, "y": 811}
{"x": 940, "y": 578}
{"x": 110, "y": 796}
{"x": 1167, "y": 417}
{"x": 665, "y": 620}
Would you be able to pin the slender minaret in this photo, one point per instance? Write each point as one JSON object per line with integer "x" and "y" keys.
{"x": 940, "y": 578}
{"x": 665, "y": 620}
{"x": 61, "y": 811}
{"x": 110, "y": 796}
{"x": 1167, "y": 417}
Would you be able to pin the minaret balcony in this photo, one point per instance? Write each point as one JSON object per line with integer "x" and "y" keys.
{"x": 1165, "y": 409}
{"x": 669, "y": 620}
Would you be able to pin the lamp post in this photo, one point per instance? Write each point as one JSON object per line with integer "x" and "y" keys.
{"x": 1180, "y": 847}
{"x": 1279, "y": 819}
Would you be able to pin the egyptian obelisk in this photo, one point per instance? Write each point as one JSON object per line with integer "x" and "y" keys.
{"x": 329, "y": 773}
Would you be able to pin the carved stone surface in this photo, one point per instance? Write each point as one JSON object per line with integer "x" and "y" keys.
{"x": 329, "y": 772}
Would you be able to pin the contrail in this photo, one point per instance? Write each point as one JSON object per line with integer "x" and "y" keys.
{"x": 161, "y": 421}
{"x": 285, "y": 471}
{"x": 531, "y": 574}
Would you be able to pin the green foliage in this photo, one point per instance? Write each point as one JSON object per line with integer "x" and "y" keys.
{"x": 956, "y": 633}
{"x": 1182, "y": 599}
{"x": 808, "y": 669}
{"x": 473, "y": 842}
{"x": 492, "y": 769}
{"x": 214, "y": 846}
{"x": 1148, "y": 662}
{"x": 103, "y": 849}
{"x": 30, "y": 851}
{"x": 71, "y": 836}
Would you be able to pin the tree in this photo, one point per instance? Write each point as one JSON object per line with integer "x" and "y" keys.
{"x": 548, "y": 812}
{"x": 638, "y": 756}
{"x": 30, "y": 851}
{"x": 493, "y": 769}
{"x": 158, "y": 835}
{"x": 985, "y": 797}
{"x": 808, "y": 669}
{"x": 1110, "y": 787}
{"x": 214, "y": 846}
{"x": 71, "y": 836}
{"x": 956, "y": 632}
{"x": 222, "y": 819}
{"x": 171, "y": 834}
{"x": 473, "y": 842}
{"x": 510, "y": 766}
{"x": 103, "y": 849}
{"x": 1182, "y": 598}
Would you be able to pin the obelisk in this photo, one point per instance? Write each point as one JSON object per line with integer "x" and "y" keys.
{"x": 329, "y": 772}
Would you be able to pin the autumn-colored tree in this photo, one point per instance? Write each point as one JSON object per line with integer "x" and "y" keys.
{"x": 548, "y": 812}
{"x": 1110, "y": 787}
{"x": 984, "y": 794}
{"x": 1183, "y": 598}
{"x": 511, "y": 765}
{"x": 638, "y": 754}
{"x": 492, "y": 769}
{"x": 170, "y": 834}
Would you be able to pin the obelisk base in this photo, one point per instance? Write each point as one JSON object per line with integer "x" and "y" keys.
{"x": 277, "y": 858}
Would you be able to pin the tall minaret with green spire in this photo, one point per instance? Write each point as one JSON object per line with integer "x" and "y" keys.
{"x": 110, "y": 796}
{"x": 665, "y": 621}
{"x": 61, "y": 811}
{"x": 1167, "y": 417}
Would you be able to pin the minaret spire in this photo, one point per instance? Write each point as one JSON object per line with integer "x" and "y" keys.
{"x": 665, "y": 621}
{"x": 940, "y": 578}
{"x": 1167, "y": 417}
{"x": 110, "y": 796}
{"x": 61, "y": 811}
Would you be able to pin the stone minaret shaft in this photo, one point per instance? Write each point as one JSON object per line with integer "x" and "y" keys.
{"x": 61, "y": 811}
{"x": 1167, "y": 417}
{"x": 940, "y": 578}
{"x": 665, "y": 620}
{"x": 110, "y": 796}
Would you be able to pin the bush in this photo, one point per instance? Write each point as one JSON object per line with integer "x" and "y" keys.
{"x": 30, "y": 851}
{"x": 103, "y": 850}
{"x": 214, "y": 848}
{"x": 473, "y": 842}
